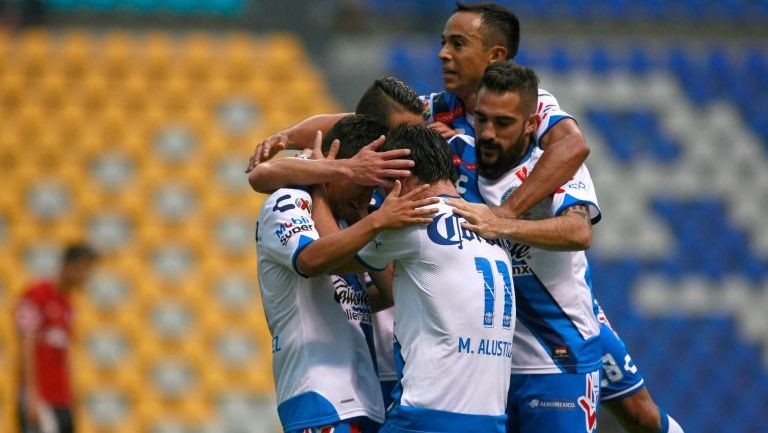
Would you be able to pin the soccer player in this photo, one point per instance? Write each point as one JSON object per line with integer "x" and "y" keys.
{"x": 477, "y": 35}
{"x": 44, "y": 326}
{"x": 454, "y": 307}
{"x": 556, "y": 356}
{"x": 323, "y": 371}
{"x": 390, "y": 102}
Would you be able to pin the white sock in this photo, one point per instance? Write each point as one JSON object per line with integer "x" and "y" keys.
{"x": 674, "y": 427}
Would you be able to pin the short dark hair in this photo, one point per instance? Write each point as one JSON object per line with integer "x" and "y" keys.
{"x": 496, "y": 19}
{"x": 354, "y": 132}
{"x": 387, "y": 95}
{"x": 76, "y": 252}
{"x": 429, "y": 151}
{"x": 508, "y": 77}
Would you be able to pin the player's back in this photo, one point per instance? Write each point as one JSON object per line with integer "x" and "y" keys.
{"x": 321, "y": 363}
{"x": 454, "y": 323}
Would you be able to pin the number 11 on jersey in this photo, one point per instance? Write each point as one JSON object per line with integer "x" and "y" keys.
{"x": 484, "y": 267}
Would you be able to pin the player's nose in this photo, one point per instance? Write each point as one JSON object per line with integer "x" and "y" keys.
{"x": 443, "y": 54}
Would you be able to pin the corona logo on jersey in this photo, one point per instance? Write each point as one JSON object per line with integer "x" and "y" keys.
{"x": 446, "y": 229}
{"x": 291, "y": 227}
{"x": 588, "y": 402}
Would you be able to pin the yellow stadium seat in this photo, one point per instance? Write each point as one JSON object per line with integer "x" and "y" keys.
{"x": 285, "y": 43}
{"x": 75, "y": 54}
{"x": 194, "y": 409}
{"x": 156, "y": 55}
{"x": 198, "y": 60}
{"x": 134, "y": 93}
{"x": 94, "y": 92}
{"x": 53, "y": 92}
{"x": 35, "y": 51}
{"x": 176, "y": 96}
{"x": 31, "y": 120}
{"x": 12, "y": 87}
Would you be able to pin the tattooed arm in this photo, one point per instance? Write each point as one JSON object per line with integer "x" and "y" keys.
{"x": 570, "y": 231}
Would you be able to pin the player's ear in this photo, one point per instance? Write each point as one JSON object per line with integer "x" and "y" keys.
{"x": 531, "y": 123}
{"x": 498, "y": 53}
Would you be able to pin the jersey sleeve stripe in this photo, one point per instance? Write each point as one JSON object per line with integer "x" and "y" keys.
{"x": 569, "y": 201}
{"x": 554, "y": 120}
{"x": 304, "y": 242}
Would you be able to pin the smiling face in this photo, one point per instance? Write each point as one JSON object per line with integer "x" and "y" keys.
{"x": 503, "y": 127}
{"x": 465, "y": 53}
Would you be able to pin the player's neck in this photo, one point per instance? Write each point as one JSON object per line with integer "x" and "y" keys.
{"x": 468, "y": 101}
{"x": 443, "y": 187}
{"x": 63, "y": 285}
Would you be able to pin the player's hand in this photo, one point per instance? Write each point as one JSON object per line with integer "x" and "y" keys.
{"x": 267, "y": 149}
{"x": 480, "y": 218}
{"x": 317, "y": 148}
{"x": 371, "y": 168}
{"x": 399, "y": 211}
{"x": 441, "y": 128}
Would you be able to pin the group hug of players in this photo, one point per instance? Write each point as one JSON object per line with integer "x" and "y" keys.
{"x": 422, "y": 264}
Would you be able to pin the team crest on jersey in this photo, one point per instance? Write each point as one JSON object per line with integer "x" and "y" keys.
{"x": 508, "y": 193}
{"x": 589, "y": 401}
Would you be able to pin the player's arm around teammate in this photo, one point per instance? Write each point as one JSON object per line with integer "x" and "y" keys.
{"x": 367, "y": 168}
{"x": 571, "y": 231}
{"x": 565, "y": 151}
{"x": 296, "y": 137}
{"x": 335, "y": 249}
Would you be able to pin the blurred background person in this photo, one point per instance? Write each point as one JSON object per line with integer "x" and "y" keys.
{"x": 44, "y": 326}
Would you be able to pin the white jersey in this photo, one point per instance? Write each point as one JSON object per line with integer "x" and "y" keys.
{"x": 557, "y": 328}
{"x": 454, "y": 324}
{"x": 322, "y": 366}
{"x": 383, "y": 337}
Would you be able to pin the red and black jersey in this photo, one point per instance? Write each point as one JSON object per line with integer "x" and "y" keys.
{"x": 46, "y": 312}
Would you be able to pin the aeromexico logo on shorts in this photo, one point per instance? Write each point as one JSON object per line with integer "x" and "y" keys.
{"x": 291, "y": 227}
{"x": 536, "y": 403}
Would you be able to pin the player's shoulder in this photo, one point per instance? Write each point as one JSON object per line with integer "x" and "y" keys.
{"x": 39, "y": 291}
{"x": 462, "y": 139}
{"x": 438, "y": 102}
{"x": 288, "y": 199}
{"x": 544, "y": 93}
{"x": 547, "y": 100}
